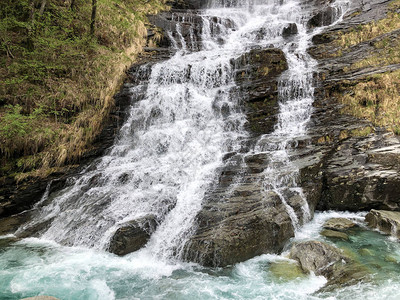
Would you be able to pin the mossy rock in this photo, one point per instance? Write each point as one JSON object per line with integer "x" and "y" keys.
{"x": 366, "y": 252}
{"x": 391, "y": 259}
{"x": 286, "y": 270}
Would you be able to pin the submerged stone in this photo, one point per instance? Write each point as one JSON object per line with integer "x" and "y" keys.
{"x": 366, "y": 252}
{"x": 286, "y": 270}
{"x": 334, "y": 234}
{"x": 391, "y": 259}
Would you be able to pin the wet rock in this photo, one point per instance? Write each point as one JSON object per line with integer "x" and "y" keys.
{"x": 339, "y": 224}
{"x": 328, "y": 261}
{"x": 132, "y": 235}
{"x": 234, "y": 229}
{"x": 256, "y": 74}
{"x": 315, "y": 256}
{"x": 323, "y": 18}
{"x": 10, "y": 224}
{"x": 290, "y": 30}
{"x": 333, "y": 234}
{"x": 352, "y": 180}
{"x": 188, "y": 4}
{"x": 386, "y": 221}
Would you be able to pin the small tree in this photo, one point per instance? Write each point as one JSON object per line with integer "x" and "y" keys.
{"x": 93, "y": 18}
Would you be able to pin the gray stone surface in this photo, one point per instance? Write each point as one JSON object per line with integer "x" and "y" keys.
{"x": 386, "y": 221}
{"x": 132, "y": 235}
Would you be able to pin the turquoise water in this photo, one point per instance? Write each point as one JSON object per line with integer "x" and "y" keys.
{"x": 32, "y": 266}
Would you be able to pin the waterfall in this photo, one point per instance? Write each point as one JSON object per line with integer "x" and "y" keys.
{"x": 182, "y": 122}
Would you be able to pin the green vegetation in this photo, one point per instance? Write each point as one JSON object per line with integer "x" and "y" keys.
{"x": 58, "y": 77}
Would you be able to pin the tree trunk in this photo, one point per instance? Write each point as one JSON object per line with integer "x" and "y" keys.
{"x": 72, "y": 4}
{"x": 93, "y": 19}
{"x": 42, "y": 6}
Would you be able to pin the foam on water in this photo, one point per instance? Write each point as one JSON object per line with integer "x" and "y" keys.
{"x": 33, "y": 266}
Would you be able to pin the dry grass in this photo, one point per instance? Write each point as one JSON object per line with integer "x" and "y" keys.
{"x": 376, "y": 99}
{"x": 366, "y": 32}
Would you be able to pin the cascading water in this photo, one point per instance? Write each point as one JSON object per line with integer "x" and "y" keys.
{"x": 182, "y": 122}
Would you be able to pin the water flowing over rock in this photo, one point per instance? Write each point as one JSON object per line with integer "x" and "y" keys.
{"x": 209, "y": 146}
{"x": 386, "y": 221}
{"x": 132, "y": 236}
{"x": 328, "y": 261}
{"x": 291, "y": 29}
{"x": 323, "y": 18}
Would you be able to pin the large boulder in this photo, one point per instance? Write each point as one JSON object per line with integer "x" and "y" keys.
{"x": 386, "y": 221}
{"x": 132, "y": 235}
{"x": 247, "y": 224}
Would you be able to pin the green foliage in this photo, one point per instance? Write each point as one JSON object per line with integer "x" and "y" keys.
{"x": 13, "y": 123}
{"x": 56, "y": 77}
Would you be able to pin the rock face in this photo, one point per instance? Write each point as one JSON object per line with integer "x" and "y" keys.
{"x": 348, "y": 163}
{"x": 256, "y": 72}
{"x": 386, "y": 221}
{"x": 256, "y": 77}
{"x": 328, "y": 261}
{"x": 132, "y": 235}
{"x": 323, "y": 18}
{"x": 185, "y": 27}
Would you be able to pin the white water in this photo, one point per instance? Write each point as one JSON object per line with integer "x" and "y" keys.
{"x": 166, "y": 157}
